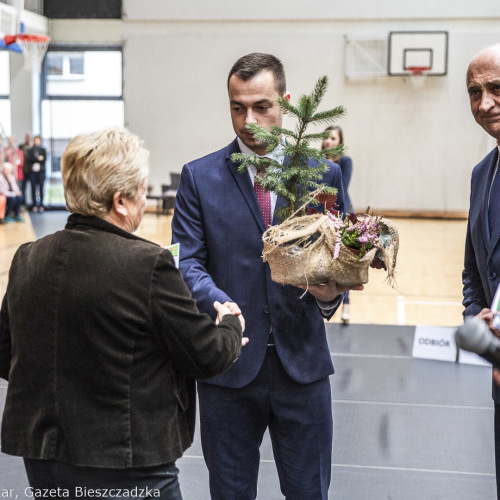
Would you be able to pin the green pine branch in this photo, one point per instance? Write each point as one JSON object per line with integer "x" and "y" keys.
{"x": 295, "y": 178}
{"x": 326, "y": 117}
{"x": 318, "y": 136}
{"x": 283, "y": 131}
{"x": 335, "y": 152}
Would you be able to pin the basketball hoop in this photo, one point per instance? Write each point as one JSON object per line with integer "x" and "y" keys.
{"x": 34, "y": 48}
{"x": 417, "y": 75}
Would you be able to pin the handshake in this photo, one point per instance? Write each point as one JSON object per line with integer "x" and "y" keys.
{"x": 230, "y": 308}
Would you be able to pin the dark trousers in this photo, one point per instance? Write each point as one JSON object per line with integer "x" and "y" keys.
{"x": 13, "y": 205}
{"x": 497, "y": 447}
{"x": 37, "y": 182}
{"x": 71, "y": 481}
{"x": 299, "y": 418}
{"x": 24, "y": 184}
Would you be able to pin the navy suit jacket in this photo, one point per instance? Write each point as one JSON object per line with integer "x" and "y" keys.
{"x": 481, "y": 274}
{"x": 219, "y": 225}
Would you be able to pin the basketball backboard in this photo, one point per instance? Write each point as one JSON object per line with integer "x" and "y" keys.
{"x": 8, "y": 19}
{"x": 418, "y": 49}
{"x": 10, "y": 23}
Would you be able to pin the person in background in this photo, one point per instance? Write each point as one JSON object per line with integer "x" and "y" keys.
{"x": 481, "y": 274}
{"x": 281, "y": 380}
{"x": 345, "y": 163}
{"x": 36, "y": 157}
{"x": 26, "y": 165}
{"x": 101, "y": 392}
{"x": 10, "y": 189}
{"x": 14, "y": 155}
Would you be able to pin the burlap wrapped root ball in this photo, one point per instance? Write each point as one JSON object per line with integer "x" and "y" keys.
{"x": 301, "y": 251}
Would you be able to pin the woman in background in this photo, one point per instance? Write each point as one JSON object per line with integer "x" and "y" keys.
{"x": 36, "y": 160}
{"x": 14, "y": 155}
{"x": 345, "y": 163}
{"x": 12, "y": 193}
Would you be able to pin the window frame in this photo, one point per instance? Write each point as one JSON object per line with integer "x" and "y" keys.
{"x": 64, "y": 47}
{"x": 66, "y": 74}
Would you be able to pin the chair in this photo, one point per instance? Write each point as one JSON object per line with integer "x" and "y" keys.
{"x": 169, "y": 191}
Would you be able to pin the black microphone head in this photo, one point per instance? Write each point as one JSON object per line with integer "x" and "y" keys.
{"x": 475, "y": 336}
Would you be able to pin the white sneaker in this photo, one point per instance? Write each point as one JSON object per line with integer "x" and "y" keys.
{"x": 345, "y": 313}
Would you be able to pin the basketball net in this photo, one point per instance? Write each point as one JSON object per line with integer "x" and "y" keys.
{"x": 34, "y": 48}
{"x": 417, "y": 75}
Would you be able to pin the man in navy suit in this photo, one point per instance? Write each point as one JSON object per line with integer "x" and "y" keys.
{"x": 481, "y": 275}
{"x": 281, "y": 380}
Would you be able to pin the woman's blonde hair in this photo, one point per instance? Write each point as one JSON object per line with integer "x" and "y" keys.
{"x": 96, "y": 166}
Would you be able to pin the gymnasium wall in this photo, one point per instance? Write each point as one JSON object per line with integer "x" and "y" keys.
{"x": 413, "y": 149}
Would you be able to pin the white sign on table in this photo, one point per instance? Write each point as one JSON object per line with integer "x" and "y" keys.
{"x": 438, "y": 343}
{"x": 435, "y": 342}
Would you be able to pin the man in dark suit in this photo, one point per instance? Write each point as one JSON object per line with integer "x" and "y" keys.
{"x": 481, "y": 275}
{"x": 281, "y": 380}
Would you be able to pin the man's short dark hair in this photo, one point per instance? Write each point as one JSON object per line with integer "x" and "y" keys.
{"x": 248, "y": 66}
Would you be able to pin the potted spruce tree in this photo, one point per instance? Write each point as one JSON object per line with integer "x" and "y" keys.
{"x": 309, "y": 246}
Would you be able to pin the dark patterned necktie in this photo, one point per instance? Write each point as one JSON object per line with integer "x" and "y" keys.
{"x": 264, "y": 199}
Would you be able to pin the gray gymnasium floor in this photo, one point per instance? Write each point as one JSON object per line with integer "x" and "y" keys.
{"x": 404, "y": 428}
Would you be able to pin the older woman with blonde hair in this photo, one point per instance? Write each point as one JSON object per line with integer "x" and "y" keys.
{"x": 101, "y": 372}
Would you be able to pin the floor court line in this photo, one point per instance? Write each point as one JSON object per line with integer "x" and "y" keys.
{"x": 378, "y": 467}
{"x": 374, "y": 356}
{"x": 402, "y": 303}
{"x": 413, "y": 405}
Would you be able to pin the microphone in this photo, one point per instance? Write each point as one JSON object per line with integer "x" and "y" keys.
{"x": 475, "y": 336}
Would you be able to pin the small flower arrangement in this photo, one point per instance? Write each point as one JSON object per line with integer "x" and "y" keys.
{"x": 320, "y": 245}
{"x": 360, "y": 234}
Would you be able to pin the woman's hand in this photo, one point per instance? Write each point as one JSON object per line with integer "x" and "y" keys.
{"x": 230, "y": 308}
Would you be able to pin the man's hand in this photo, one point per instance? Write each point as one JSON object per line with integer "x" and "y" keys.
{"x": 378, "y": 263}
{"x": 230, "y": 308}
{"x": 329, "y": 291}
{"x": 496, "y": 376}
{"x": 487, "y": 316}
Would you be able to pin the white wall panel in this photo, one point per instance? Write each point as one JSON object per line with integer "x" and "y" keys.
{"x": 412, "y": 148}
{"x": 278, "y": 10}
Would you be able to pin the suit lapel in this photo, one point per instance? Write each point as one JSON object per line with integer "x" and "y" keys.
{"x": 245, "y": 186}
{"x": 494, "y": 237}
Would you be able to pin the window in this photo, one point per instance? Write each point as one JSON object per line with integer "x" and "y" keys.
{"x": 65, "y": 66}
{"x": 83, "y": 74}
{"x": 4, "y": 75}
{"x": 5, "y": 108}
{"x": 81, "y": 92}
